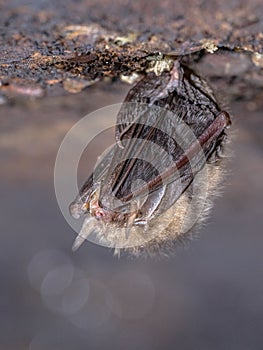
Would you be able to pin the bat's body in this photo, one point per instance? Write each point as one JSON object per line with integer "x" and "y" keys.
{"x": 169, "y": 132}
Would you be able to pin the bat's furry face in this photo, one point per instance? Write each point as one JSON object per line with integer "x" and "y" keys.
{"x": 169, "y": 129}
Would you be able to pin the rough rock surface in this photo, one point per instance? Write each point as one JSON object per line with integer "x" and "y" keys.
{"x": 49, "y": 47}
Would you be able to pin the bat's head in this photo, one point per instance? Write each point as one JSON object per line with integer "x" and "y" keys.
{"x": 105, "y": 209}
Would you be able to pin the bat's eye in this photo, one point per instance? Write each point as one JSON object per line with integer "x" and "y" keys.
{"x": 124, "y": 210}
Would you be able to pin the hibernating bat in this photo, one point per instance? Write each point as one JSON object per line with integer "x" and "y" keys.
{"x": 153, "y": 186}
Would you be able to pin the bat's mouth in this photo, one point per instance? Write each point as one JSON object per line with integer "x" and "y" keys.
{"x": 104, "y": 214}
{"x": 123, "y": 216}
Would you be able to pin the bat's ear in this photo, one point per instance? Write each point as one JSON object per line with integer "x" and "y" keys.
{"x": 87, "y": 228}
